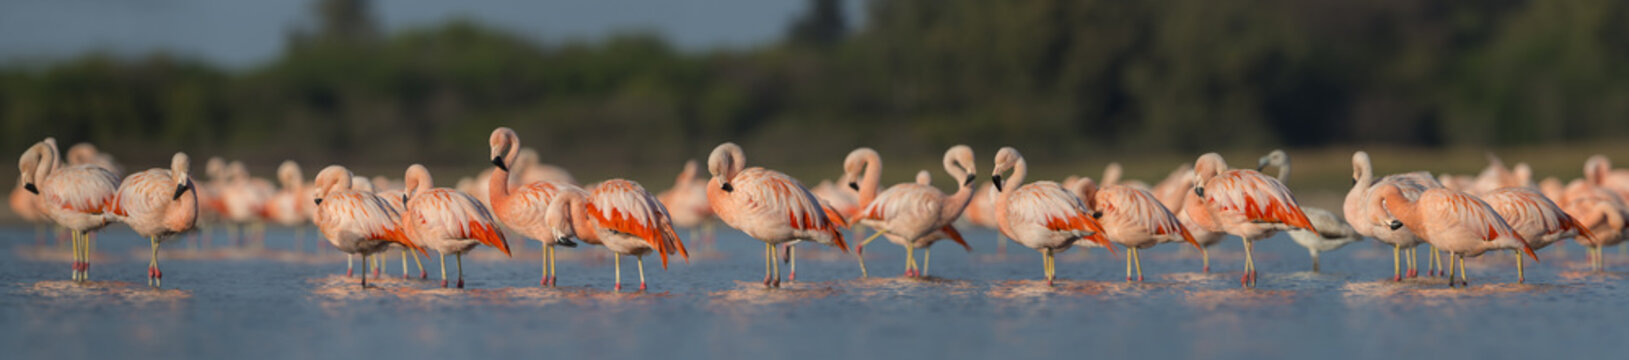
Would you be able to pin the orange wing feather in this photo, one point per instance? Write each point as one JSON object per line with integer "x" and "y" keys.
{"x": 954, "y": 235}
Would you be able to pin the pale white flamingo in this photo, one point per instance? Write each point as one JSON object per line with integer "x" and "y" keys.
{"x": 447, "y": 220}
{"x": 87, "y": 154}
{"x": 1537, "y": 219}
{"x": 356, "y": 222}
{"x": 1043, "y": 215}
{"x": 1495, "y": 176}
{"x": 157, "y": 203}
{"x": 948, "y": 232}
{"x": 1363, "y": 212}
{"x": 1173, "y": 191}
{"x": 1243, "y": 203}
{"x": 74, "y": 197}
{"x": 290, "y": 206}
{"x": 1333, "y": 231}
{"x": 523, "y": 208}
{"x": 622, "y": 216}
{"x": 769, "y": 206}
{"x": 909, "y": 213}
{"x": 1598, "y": 208}
{"x": 245, "y": 198}
{"x": 1453, "y": 221}
{"x": 1134, "y": 219}
{"x": 686, "y": 202}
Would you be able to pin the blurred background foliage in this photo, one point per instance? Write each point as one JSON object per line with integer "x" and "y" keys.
{"x": 1059, "y": 79}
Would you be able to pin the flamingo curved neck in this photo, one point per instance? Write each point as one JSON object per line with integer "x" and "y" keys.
{"x": 871, "y": 180}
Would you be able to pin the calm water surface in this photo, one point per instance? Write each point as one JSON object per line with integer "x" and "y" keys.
{"x": 278, "y": 303}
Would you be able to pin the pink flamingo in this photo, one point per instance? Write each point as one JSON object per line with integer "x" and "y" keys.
{"x": 686, "y": 202}
{"x": 447, "y": 220}
{"x": 909, "y": 213}
{"x": 523, "y": 208}
{"x": 1362, "y": 210}
{"x": 157, "y": 204}
{"x": 1244, "y": 203}
{"x": 290, "y": 206}
{"x": 75, "y": 197}
{"x": 768, "y": 205}
{"x": 1333, "y": 232}
{"x": 1535, "y": 218}
{"x": 356, "y": 222}
{"x": 1042, "y": 216}
{"x": 622, "y": 216}
{"x": 1134, "y": 219}
{"x": 87, "y": 154}
{"x": 1451, "y": 220}
{"x": 1598, "y": 208}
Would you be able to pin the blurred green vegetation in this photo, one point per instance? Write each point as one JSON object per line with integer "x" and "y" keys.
{"x": 1058, "y": 79}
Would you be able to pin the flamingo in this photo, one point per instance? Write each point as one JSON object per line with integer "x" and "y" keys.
{"x": 523, "y": 208}
{"x": 1133, "y": 218}
{"x": 1362, "y": 210}
{"x": 769, "y": 206}
{"x": 447, "y": 220}
{"x": 1042, "y": 216}
{"x": 356, "y": 222}
{"x": 74, "y": 197}
{"x": 1333, "y": 231}
{"x": 245, "y": 198}
{"x": 157, "y": 204}
{"x": 22, "y": 204}
{"x": 909, "y": 213}
{"x": 289, "y": 206}
{"x": 623, "y": 217}
{"x": 1451, "y": 220}
{"x": 1112, "y": 174}
{"x": 948, "y": 232}
{"x": 397, "y": 199}
{"x": 1535, "y": 218}
{"x": 87, "y": 154}
{"x": 1173, "y": 190}
{"x": 1244, "y": 203}
{"x": 686, "y": 202}
{"x": 1495, "y": 176}
{"x": 1598, "y": 208}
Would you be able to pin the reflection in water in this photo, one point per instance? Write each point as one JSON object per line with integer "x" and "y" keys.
{"x": 105, "y": 292}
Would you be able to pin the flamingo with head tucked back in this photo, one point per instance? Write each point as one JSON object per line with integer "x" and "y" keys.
{"x": 158, "y": 203}
{"x": 289, "y": 206}
{"x": 75, "y": 197}
{"x": 1363, "y": 212}
{"x": 1042, "y": 215}
{"x": 1451, "y": 220}
{"x": 87, "y": 154}
{"x": 1333, "y": 232}
{"x": 447, "y": 220}
{"x": 686, "y": 202}
{"x": 356, "y": 222}
{"x": 523, "y": 208}
{"x": 1597, "y": 207}
{"x": 1134, "y": 219}
{"x": 910, "y": 213}
{"x": 1535, "y": 218}
{"x": 1244, "y": 203}
{"x": 620, "y": 215}
{"x": 768, "y": 205}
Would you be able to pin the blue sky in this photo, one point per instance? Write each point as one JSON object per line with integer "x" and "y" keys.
{"x": 240, "y": 33}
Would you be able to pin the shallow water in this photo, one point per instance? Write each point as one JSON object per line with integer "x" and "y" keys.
{"x": 278, "y": 303}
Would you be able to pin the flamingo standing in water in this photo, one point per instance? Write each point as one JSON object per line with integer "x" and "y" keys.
{"x": 768, "y": 205}
{"x": 620, "y": 215}
{"x": 1042, "y": 216}
{"x": 1363, "y": 212}
{"x": 1333, "y": 232}
{"x": 910, "y": 213}
{"x": 1134, "y": 219}
{"x": 22, "y": 204}
{"x": 1451, "y": 220}
{"x": 356, "y": 222}
{"x": 686, "y": 202}
{"x": 289, "y": 206}
{"x": 157, "y": 203}
{"x": 75, "y": 197}
{"x": 1535, "y": 218}
{"x": 397, "y": 198}
{"x": 1598, "y": 208}
{"x": 523, "y": 208}
{"x": 447, "y": 220}
{"x": 1244, "y": 203}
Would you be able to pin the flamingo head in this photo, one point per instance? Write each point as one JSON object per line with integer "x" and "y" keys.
{"x": 505, "y": 147}
{"x": 1276, "y": 158}
{"x": 959, "y": 163}
{"x": 330, "y": 179}
{"x": 726, "y": 160}
{"x": 417, "y": 180}
{"x": 1005, "y": 160}
{"x": 854, "y": 165}
{"x": 180, "y": 168}
{"x": 1209, "y": 165}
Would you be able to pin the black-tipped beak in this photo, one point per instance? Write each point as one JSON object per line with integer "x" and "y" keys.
{"x": 997, "y": 181}
{"x": 179, "y": 189}
{"x": 854, "y": 185}
{"x": 318, "y": 201}
{"x": 404, "y": 198}
{"x": 1097, "y": 214}
{"x": 498, "y": 161}
{"x": 1354, "y": 181}
{"x": 1199, "y": 190}
{"x": 727, "y": 187}
{"x": 30, "y": 187}
{"x": 566, "y": 242}
{"x": 1261, "y": 166}
{"x": 1396, "y": 224}
{"x": 970, "y": 178}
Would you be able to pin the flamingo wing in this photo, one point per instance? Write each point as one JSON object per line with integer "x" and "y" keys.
{"x": 1257, "y": 197}
{"x": 85, "y": 189}
{"x": 1144, "y": 206}
{"x": 1470, "y": 214}
{"x": 460, "y": 215}
{"x": 1048, "y": 204}
{"x": 905, "y": 201}
{"x": 364, "y": 215}
{"x": 769, "y": 194}
{"x": 625, "y": 206}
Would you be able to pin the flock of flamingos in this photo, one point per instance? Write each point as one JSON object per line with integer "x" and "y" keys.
{"x": 1500, "y": 209}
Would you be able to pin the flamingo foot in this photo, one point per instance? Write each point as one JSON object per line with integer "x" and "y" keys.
{"x": 1128, "y": 278}
{"x": 423, "y": 275}
{"x": 1049, "y": 282}
{"x": 350, "y": 273}
{"x": 460, "y": 283}
{"x": 554, "y": 280}
{"x": 767, "y": 283}
{"x": 1244, "y": 280}
{"x": 376, "y": 273}
{"x": 1396, "y": 278}
{"x": 777, "y": 283}
{"x": 1432, "y": 272}
{"x": 443, "y": 284}
{"x": 1139, "y": 278}
{"x": 641, "y": 286}
{"x": 544, "y": 282}
{"x": 792, "y": 277}
{"x": 1207, "y": 269}
{"x": 618, "y": 287}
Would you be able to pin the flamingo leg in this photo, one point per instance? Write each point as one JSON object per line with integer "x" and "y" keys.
{"x": 1249, "y": 264}
{"x": 873, "y": 236}
{"x": 1047, "y": 262}
{"x": 1431, "y": 261}
{"x": 1463, "y": 278}
{"x": 364, "y": 272}
{"x": 443, "y": 271}
{"x": 776, "y": 282}
{"x": 1205, "y": 254}
{"x": 459, "y": 257}
{"x": 1137, "y": 258}
{"x": 1315, "y": 268}
{"x": 157, "y": 277}
{"x": 792, "y": 257}
{"x": 422, "y": 273}
{"x": 377, "y": 263}
{"x": 404, "y": 263}
{"x": 1396, "y": 263}
{"x": 859, "y": 253}
{"x": 1001, "y": 244}
{"x": 910, "y": 261}
{"x": 75, "y": 242}
{"x": 1521, "y": 273}
{"x": 1128, "y": 268}
{"x": 927, "y": 256}
{"x": 350, "y": 263}
{"x": 1411, "y": 262}
{"x": 544, "y": 282}
{"x": 618, "y": 258}
{"x": 553, "y": 276}
{"x": 769, "y": 257}
{"x": 640, "y": 260}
